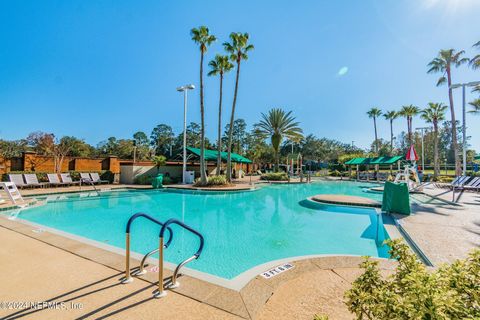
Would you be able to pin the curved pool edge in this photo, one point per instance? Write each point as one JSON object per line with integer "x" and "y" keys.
{"x": 237, "y": 283}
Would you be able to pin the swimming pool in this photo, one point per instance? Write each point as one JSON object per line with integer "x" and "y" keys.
{"x": 241, "y": 229}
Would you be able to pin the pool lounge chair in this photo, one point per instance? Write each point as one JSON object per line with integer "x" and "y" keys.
{"x": 67, "y": 179}
{"x": 95, "y": 177}
{"x": 17, "y": 178}
{"x": 473, "y": 184}
{"x": 85, "y": 178}
{"x": 459, "y": 181}
{"x": 54, "y": 181}
{"x": 32, "y": 180}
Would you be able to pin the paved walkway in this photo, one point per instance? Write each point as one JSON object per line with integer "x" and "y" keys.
{"x": 445, "y": 232}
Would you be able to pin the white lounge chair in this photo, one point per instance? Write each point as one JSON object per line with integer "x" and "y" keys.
{"x": 17, "y": 178}
{"x": 96, "y": 178}
{"x": 54, "y": 180}
{"x": 67, "y": 179}
{"x": 458, "y": 182}
{"x": 85, "y": 177}
{"x": 32, "y": 180}
{"x": 473, "y": 184}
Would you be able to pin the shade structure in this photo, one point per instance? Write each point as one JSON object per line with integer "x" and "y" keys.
{"x": 411, "y": 154}
{"x": 477, "y": 157}
{"x": 374, "y": 161}
{"x": 211, "y": 155}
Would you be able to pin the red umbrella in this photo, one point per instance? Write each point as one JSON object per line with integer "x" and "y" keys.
{"x": 411, "y": 154}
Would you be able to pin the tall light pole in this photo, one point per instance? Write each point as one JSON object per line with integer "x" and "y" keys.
{"x": 423, "y": 129}
{"x": 185, "y": 89}
{"x": 464, "y": 113}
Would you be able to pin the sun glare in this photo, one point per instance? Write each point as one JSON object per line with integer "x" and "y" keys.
{"x": 452, "y": 5}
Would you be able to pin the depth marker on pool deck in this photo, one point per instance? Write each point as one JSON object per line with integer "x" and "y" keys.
{"x": 277, "y": 270}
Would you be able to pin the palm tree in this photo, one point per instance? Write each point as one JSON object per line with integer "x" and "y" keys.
{"x": 219, "y": 66}
{"x": 434, "y": 113}
{"x": 375, "y": 113}
{"x": 279, "y": 124}
{"x": 475, "y": 61}
{"x": 203, "y": 38}
{"x": 237, "y": 49}
{"x": 443, "y": 64}
{"x": 409, "y": 112}
{"x": 391, "y": 116}
{"x": 475, "y": 106}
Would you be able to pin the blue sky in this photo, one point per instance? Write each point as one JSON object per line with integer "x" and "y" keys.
{"x": 95, "y": 69}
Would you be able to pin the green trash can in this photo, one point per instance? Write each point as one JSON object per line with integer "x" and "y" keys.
{"x": 157, "y": 182}
{"x": 396, "y": 198}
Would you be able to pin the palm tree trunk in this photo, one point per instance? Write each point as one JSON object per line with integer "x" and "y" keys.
{"x": 391, "y": 137}
{"x": 230, "y": 130}
{"x": 376, "y": 137}
{"x": 436, "y": 164}
{"x": 219, "y": 143}
{"x": 458, "y": 170}
{"x": 277, "y": 161}
{"x": 203, "y": 177}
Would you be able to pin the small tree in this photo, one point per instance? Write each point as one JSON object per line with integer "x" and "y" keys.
{"x": 413, "y": 292}
{"x": 159, "y": 161}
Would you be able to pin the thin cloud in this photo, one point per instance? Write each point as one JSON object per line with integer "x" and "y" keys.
{"x": 343, "y": 71}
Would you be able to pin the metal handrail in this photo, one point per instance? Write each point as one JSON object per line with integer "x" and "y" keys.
{"x": 161, "y": 293}
{"x": 128, "y": 278}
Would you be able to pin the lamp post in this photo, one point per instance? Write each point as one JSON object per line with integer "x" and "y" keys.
{"x": 464, "y": 114}
{"x": 423, "y": 129}
{"x": 185, "y": 89}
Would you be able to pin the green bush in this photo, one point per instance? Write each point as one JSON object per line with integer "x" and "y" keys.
{"x": 274, "y": 176}
{"x": 413, "y": 292}
{"x": 143, "y": 179}
{"x": 169, "y": 180}
{"x": 213, "y": 181}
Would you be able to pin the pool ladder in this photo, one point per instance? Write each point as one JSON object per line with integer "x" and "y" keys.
{"x": 162, "y": 245}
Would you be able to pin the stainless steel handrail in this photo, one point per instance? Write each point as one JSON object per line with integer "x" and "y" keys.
{"x": 128, "y": 278}
{"x": 160, "y": 291}
{"x": 175, "y": 284}
{"x": 141, "y": 268}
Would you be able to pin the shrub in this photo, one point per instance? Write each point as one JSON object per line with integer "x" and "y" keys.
{"x": 213, "y": 181}
{"x": 451, "y": 292}
{"x": 143, "y": 179}
{"x": 274, "y": 176}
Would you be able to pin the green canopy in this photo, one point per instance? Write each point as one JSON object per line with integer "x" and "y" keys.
{"x": 374, "y": 161}
{"x": 477, "y": 157}
{"x": 211, "y": 155}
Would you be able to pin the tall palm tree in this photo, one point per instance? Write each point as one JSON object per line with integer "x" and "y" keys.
{"x": 203, "y": 38}
{"x": 475, "y": 106}
{"x": 409, "y": 112}
{"x": 375, "y": 113}
{"x": 279, "y": 124}
{"x": 219, "y": 66}
{"x": 475, "y": 61}
{"x": 391, "y": 116}
{"x": 443, "y": 64}
{"x": 434, "y": 113}
{"x": 237, "y": 48}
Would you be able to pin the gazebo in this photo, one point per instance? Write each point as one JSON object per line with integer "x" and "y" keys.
{"x": 211, "y": 155}
{"x": 377, "y": 162}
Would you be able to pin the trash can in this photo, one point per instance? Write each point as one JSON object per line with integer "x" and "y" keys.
{"x": 157, "y": 182}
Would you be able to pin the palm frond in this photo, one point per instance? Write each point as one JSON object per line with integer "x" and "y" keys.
{"x": 441, "y": 81}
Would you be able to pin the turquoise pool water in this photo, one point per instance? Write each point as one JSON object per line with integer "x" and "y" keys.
{"x": 241, "y": 230}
